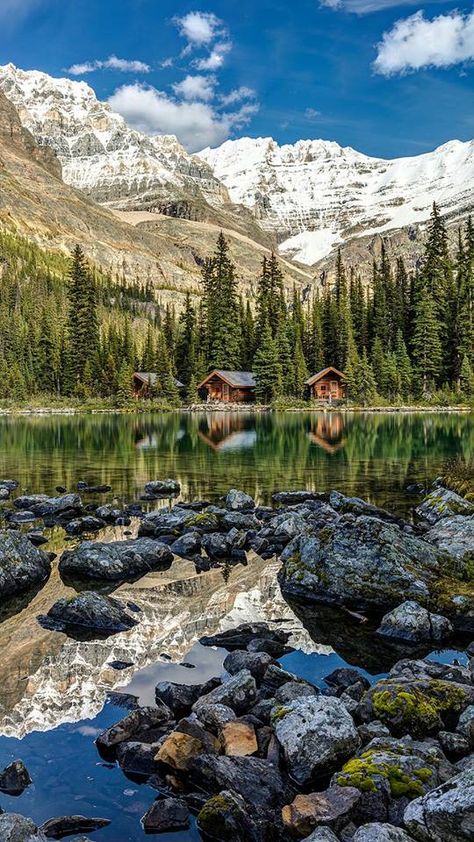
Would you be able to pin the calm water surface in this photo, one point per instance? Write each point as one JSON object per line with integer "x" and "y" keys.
{"x": 57, "y": 694}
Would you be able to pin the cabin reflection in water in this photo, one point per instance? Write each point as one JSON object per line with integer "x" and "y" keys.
{"x": 327, "y": 432}
{"x": 227, "y": 431}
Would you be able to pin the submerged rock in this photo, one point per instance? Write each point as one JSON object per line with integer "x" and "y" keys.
{"x": 413, "y": 623}
{"x": 115, "y": 560}
{"x": 91, "y": 612}
{"x": 15, "y": 778}
{"x": 316, "y": 734}
{"x": 445, "y": 814}
{"x": 162, "y": 487}
{"x": 62, "y": 826}
{"x": 22, "y": 565}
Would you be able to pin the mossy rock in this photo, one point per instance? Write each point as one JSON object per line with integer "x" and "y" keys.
{"x": 375, "y": 770}
{"x": 224, "y": 817}
{"x": 204, "y": 521}
{"x": 416, "y": 708}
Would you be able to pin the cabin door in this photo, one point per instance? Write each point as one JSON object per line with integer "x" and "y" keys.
{"x": 225, "y": 392}
{"x": 334, "y": 389}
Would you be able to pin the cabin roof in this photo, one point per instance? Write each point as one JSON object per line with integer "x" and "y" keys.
{"x": 314, "y": 379}
{"x": 151, "y": 378}
{"x": 238, "y": 379}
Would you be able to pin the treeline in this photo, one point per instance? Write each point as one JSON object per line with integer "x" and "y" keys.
{"x": 69, "y": 330}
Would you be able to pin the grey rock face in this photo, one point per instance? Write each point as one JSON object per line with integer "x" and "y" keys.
{"x": 454, "y": 535}
{"x": 165, "y": 522}
{"x": 256, "y": 780}
{"x": 239, "y": 501}
{"x": 44, "y": 506}
{"x": 134, "y": 725}
{"x": 413, "y": 623}
{"x": 91, "y": 612}
{"x": 15, "y": 828}
{"x": 378, "y": 832}
{"x": 445, "y": 814}
{"x": 22, "y": 565}
{"x": 443, "y": 503}
{"x": 361, "y": 563}
{"x": 116, "y": 560}
{"x": 238, "y": 693}
{"x": 316, "y": 734}
{"x": 255, "y": 662}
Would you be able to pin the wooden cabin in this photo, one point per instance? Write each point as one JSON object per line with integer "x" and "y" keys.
{"x": 145, "y": 382}
{"x": 327, "y": 385}
{"x": 228, "y": 386}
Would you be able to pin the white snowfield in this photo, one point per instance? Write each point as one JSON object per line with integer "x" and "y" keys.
{"x": 314, "y": 194}
{"x": 317, "y": 194}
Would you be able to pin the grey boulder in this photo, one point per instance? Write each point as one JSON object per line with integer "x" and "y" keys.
{"x": 454, "y": 535}
{"x": 116, "y": 560}
{"x": 413, "y": 623}
{"x": 445, "y": 814}
{"x": 239, "y": 693}
{"x": 443, "y": 503}
{"x": 317, "y": 736}
{"x": 162, "y": 487}
{"x": 15, "y": 828}
{"x": 378, "y": 832}
{"x": 91, "y": 612}
{"x": 22, "y": 565}
{"x": 239, "y": 501}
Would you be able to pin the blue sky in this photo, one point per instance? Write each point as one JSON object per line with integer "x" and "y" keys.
{"x": 387, "y": 78}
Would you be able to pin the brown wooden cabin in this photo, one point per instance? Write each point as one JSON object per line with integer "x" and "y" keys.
{"x": 327, "y": 385}
{"x": 228, "y": 386}
{"x": 144, "y": 382}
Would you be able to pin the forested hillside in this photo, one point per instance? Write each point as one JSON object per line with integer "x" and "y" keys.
{"x": 70, "y": 330}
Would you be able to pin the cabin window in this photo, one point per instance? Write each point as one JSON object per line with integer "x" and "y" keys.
{"x": 323, "y": 387}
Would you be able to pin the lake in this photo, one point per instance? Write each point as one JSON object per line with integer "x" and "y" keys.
{"x": 57, "y": 694}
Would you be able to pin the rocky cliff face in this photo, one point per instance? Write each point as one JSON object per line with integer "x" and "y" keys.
{"x": 101, "y": 155}
{"x": 316, "y": 195}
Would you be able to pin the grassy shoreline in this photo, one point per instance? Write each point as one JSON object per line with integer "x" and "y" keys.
{"x": 98, "y": 407}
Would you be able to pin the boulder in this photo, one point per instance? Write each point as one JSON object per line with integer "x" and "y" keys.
{"x": 465, "y": 726}
{"x": 166, "y": 522}
{"x": 356, "y": 506}
{"x": 454, "y": 745}
{"x": 69, "y": 505}
{"x": 322, "y": 834}
{"x": 239, "y": 501}
{"x": 67, "y": 825}
{"x": 215, "y": 716}
{"x": 378, "y": 832}
{"x": 316, "y": 734}
{"x": 162, "y": 487}
{"x": 257, "y": 781}
{"x": 181, "y": 697}
{"x": 80, "y": 525}
{"x": 226, "y": 817}
{"x": 179, "y": 750}
{"x": 239, "y": 739}
{"x": 166, "y": 815}
{"x": 414, "y": 624}
{"x": 90, "y": 612}
{"x": 453, "y": 535}
{"x": 418, "y": 707}
{"x": 137, "y": 723}
{"x": 15, "y": 778}
{"x": 291, "y": 498}
{"x": 238, "y": 693}
{"x": 15, "y": 828}
{"x": 443, "y": 503}
{"x": 344, "y": 677}
{"x": 445, "y": 814}
{"x": 137, "y": 758}
{"x": 187, "y": 545}
{"x": 255, "y": 662}
{"x": 22, "y": 565}
{"x": 333, "y": 807}
{"x": 115, "y": 560}
{"x": 361, "y": 563}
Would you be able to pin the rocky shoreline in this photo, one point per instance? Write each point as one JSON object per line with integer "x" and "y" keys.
{"x": 258, "y": 753}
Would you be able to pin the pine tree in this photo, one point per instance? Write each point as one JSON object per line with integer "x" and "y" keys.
{"x": 426, "y": 343}
{"x": 404, "y": 367}
{"x": 300, "y": 369}
{"x": 221, "y": 309}
{"x": 267, "y": 368}
{"x": 467, "y": 378}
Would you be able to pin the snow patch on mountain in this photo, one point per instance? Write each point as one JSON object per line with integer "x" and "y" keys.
{"x": 315, "y": 194}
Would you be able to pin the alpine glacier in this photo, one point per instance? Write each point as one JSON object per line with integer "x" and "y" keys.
{"x": 315, "y": 194}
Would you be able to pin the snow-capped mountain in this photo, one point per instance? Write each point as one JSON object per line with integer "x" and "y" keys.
{"x": 100, "y": 154}
{"x": 316, "y": 194}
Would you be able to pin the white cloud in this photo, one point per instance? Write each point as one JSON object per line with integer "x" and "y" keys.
{"x": 196, "y": 87}
{"x": 199, "y": 28}
{"x": 364, "y": 7}
{"x": 112, "y": 63}
{"x": 196, "y": 124}
{"x": 237, "y": 95}
{"x": 415, "y": 42}
{"x": 216, "y": 57}
{"x": 312, "y": 114}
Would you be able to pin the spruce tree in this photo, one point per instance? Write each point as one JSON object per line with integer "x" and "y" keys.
{"x": 267, "y": 368}
{"x": 426, "y": 343}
